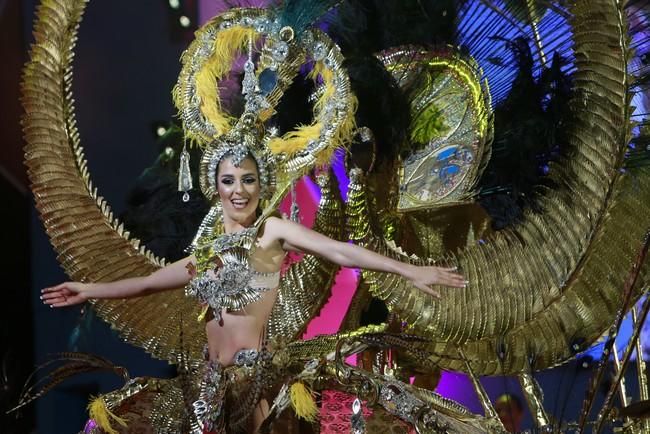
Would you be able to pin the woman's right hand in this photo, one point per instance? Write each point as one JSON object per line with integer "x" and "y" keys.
{"x": 65, "y": 294}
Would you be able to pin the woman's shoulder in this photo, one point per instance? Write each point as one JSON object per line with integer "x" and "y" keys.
{"x": 271, "y": 225}
{"x": 277, "y": 227}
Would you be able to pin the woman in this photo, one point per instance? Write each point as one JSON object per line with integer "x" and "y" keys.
{"x": 230, "y": 331}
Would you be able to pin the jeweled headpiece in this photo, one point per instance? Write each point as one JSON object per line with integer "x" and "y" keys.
{"x": 245, "y": 140}
{"x": 286, "y": 45}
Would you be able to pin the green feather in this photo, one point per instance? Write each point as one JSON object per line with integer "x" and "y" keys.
{"x": 300, "y": 14}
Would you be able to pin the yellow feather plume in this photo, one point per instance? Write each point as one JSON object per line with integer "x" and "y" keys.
{"x": 296, "y": 140}
{"x": 344, "y": 133}
{"x": 303, "y": 402}
{"x": 327, "y": 75}
{"x": 227, "y": 45}
{"x": 100, "y": 413}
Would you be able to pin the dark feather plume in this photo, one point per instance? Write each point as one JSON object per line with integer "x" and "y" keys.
{"x": 529, "y": 134}
{"x": 155, "y": 213}
{"x": 64, "y": 366}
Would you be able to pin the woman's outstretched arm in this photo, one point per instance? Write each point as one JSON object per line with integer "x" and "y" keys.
{"x": 172, "y": 276}
{"x": 295, "y": 237}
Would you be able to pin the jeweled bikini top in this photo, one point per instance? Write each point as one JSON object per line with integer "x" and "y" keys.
{"x": 234, "y": 284}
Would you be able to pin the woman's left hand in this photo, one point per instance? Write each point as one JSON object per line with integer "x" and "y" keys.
{"x": 425, "y": 276}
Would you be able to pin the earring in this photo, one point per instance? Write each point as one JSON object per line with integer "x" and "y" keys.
{"x": 184, "y": 175}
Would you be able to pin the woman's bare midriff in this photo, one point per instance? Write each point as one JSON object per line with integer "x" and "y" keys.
{"x": 245, "y": 329}
{"x": 239, "y": 330}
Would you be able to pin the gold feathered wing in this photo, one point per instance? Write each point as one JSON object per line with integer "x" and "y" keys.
{"x": 307, "y": 284}
{"x": 92, "y": 245}
{"x": 547, "y": 288}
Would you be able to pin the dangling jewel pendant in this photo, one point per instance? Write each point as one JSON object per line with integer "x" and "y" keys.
{"x": 184, "y": 175}
{"x": 295, "y": 209}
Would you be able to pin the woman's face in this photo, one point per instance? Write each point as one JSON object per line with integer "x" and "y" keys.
{"x": 239, "y": 189}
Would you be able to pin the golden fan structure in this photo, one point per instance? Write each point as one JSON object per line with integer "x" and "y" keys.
{"x": 549, "y": 287}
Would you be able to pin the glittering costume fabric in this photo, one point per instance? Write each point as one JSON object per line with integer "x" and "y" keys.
{"x": 336, "y": 411}
{"x": 225, "y": 277}
{"x": 209, "y": 407}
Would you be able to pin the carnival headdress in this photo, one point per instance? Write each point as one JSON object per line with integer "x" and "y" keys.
{"x": 285, "y": 47}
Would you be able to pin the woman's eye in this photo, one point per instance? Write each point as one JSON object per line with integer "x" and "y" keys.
{"x": 249, "y": 180}
{"x": 226, "y": 181}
